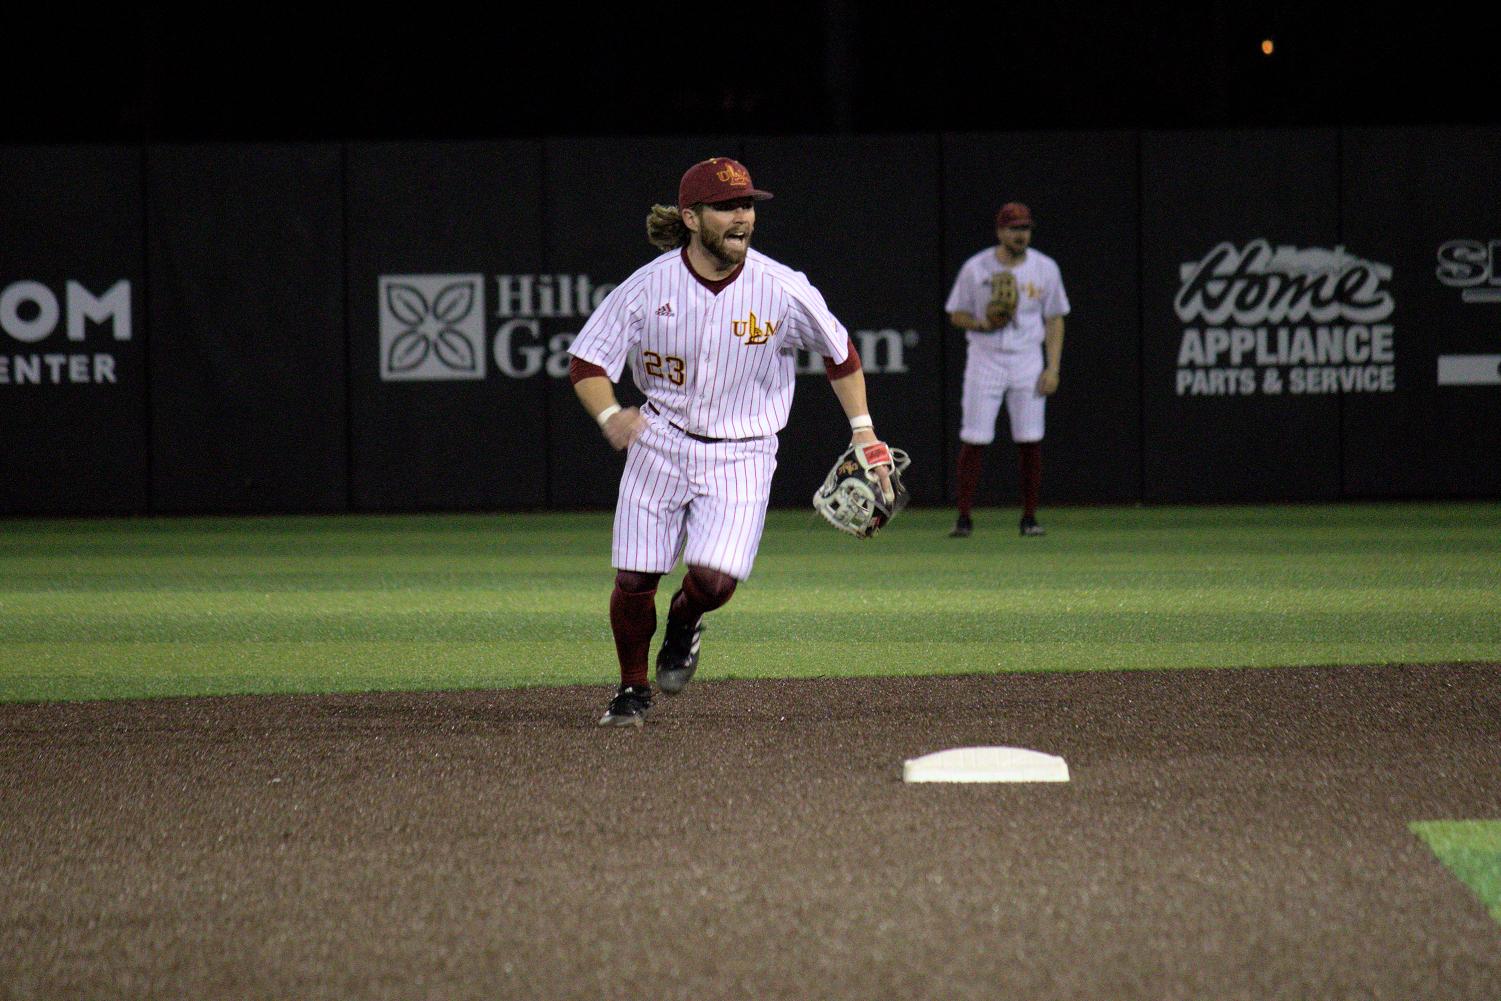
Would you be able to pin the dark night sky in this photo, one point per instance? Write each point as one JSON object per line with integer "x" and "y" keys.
{"x": 158, "y": 73}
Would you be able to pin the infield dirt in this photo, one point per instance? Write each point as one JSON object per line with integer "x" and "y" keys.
{"x": 1226, "y": 834}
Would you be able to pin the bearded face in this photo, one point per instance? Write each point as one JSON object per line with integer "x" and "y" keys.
{"x": 724, "y": 230}
{"x": 1015, "y": 239}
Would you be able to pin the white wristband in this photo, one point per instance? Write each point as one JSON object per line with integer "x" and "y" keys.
{"x": 604, "y": 415}
{"x": 861, "y": 422}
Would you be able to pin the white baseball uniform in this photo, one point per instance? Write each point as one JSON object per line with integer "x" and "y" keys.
{"x": 1005, "y": 364}
{"x": 718, "y": 370}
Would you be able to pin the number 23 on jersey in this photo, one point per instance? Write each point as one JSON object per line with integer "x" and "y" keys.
{"x": 670, "y": 368}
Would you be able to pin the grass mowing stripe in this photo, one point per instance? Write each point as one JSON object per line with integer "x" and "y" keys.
{"x": 107, "y": 608}
{"x": 1471, "y": 850}
{"x": 438, "y": 626}
{"x": 78, "y": 671}
{"x": 472, "y": 616}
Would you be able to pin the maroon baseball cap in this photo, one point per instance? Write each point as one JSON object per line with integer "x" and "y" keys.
{"x": 1013, "y": 214}
{"x": 719, "y": 179}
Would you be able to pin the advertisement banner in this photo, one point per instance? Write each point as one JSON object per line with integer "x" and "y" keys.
{"x": 72, "y": 332}
{"x": 1257, "y": 318}
{"x": 1427, "y": 199}
{"x": 1082, "y": 189}
{"x": 247, "y": 328}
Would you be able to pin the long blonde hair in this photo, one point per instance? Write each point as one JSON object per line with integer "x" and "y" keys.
{"x": 665, "y": 228}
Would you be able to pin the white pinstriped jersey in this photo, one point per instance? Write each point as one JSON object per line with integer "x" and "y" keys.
{"x": 720, "y": 365}
{"x": 1040, "y": 296}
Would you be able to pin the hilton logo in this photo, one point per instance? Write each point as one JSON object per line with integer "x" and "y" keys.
{"x": 432, "y": 327}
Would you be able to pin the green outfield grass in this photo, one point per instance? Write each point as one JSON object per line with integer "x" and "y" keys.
{"x": 190, "y": 606}
{"x": 1472, "y": 851}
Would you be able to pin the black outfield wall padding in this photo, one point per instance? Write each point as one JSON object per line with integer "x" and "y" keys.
{"x": 1426, "y": 201}
{"x": 73, "y": 387}
{"x": 245, "y": 250}
{"x": 1257, "y": 315}
{"x": 446, "y": 394}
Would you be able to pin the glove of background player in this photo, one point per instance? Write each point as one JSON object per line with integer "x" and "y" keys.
{"x": 1003, "y": 296}
{"x": 851, "y": 498}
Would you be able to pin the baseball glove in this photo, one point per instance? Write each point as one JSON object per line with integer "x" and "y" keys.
{"x": 851, "y": 498}
{"x": 1003, "y": 295}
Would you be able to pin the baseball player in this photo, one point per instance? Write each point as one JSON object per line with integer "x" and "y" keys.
{"x": 1010, "y": 301}
{"x": 710, "y": 329}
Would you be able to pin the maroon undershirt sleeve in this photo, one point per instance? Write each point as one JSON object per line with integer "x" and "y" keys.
{"x": 579, "y": 369}
{"x": 844, "y": 368}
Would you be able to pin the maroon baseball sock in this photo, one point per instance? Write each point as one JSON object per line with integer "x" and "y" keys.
{"x": 969, "y": 475}
{"x": 1030, "y": 454}
{"x": 703, "y": 591}
{"x": 633, "y": 619}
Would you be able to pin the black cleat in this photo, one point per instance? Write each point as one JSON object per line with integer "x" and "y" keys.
{"x": 962, "y": 528}
{"x": 1029, "y": 526}
{"x": 628, "y": 707}
{"x": 678, "y": 658}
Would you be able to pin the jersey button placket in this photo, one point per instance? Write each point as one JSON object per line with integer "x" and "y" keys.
{"x": 702, "y": 382}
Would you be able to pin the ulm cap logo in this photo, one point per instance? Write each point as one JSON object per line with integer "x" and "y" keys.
{"x": 432, "y": 327}
{"x": 733, "y": 177}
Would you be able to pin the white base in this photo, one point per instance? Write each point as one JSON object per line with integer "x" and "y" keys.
{"x": 986, "y": 764}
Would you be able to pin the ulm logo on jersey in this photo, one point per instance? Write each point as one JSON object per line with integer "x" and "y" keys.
{"x": 432, "y": 327}
{"x": 752, "y": 330}
{"x": 1001, "y": 279}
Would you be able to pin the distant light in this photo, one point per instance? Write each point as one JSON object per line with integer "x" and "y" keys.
{"x": 1267, "y": 47}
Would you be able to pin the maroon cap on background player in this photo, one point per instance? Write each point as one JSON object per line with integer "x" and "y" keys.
{"x": 718, "y": 180}
{"x": 1013, "y": 214}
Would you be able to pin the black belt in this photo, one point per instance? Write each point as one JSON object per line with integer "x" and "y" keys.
{"x": 696, "y": 437}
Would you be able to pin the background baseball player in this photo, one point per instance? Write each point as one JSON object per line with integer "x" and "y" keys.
{"x": 1010, "y": 301}
{"x": 710, "y": 329}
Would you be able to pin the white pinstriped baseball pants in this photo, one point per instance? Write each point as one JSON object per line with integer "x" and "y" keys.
{"x": 991, "y": 375}
{"x": 703, "y": 501}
